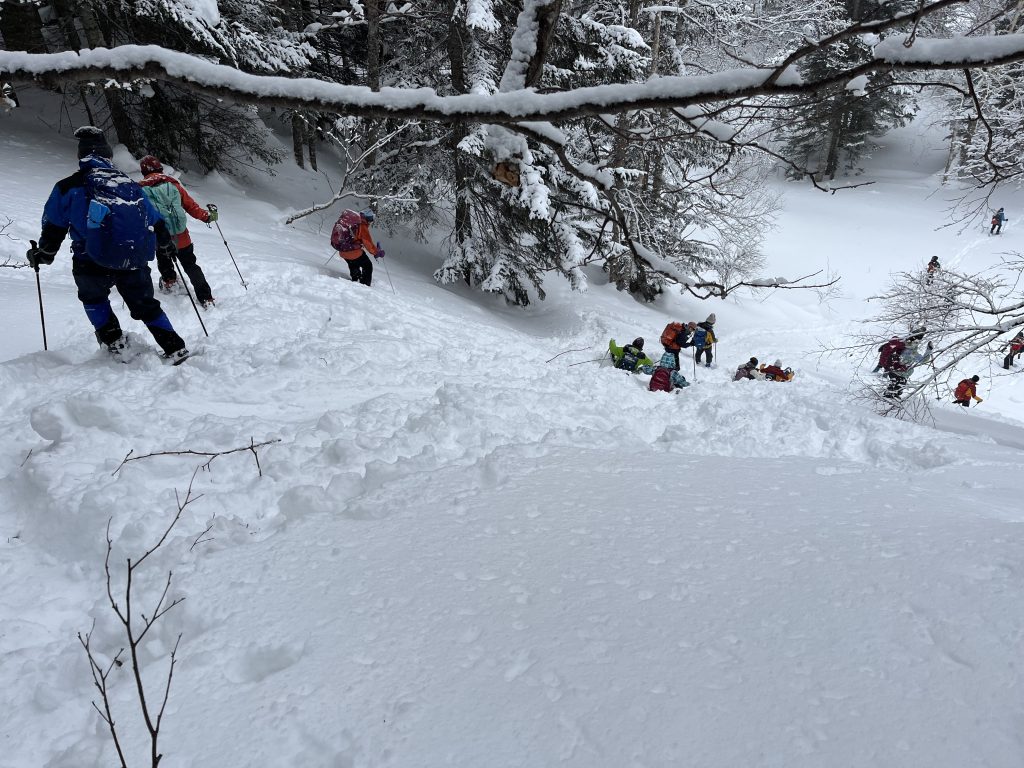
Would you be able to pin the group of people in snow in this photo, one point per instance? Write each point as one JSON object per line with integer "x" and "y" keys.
{"x": 897, "y": 359}
{"x": 666, "y": 375}
{"x": 118, "y": 225}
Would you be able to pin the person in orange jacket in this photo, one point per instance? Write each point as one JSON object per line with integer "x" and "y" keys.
{"x": 965, "y": 391}
{"x": 170, "y": 198}
{"x": 351, "y": 239}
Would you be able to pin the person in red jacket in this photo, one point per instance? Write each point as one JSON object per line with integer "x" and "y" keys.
{"x": 1016, "y": 347}
{"x": 965, "y": 391}
{"x": 170, "y": 198}
{"x": 351, "y": 238}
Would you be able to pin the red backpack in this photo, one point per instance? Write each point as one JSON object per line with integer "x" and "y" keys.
{"x": 661, "y": 381}
{"x": 343, "y": 236}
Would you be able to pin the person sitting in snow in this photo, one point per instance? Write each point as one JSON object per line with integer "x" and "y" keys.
{"x": 666, "y": 377}
{"x": 170, "y": 198}
{"x": 747, "y": 371}
{"x": 630, "y": 357}
{"x": 703, "y": 339}
{"x": 965, "y": 391}
{"x": 1016, "y": 347}
{"x": 775, "y": 372}
{"x": 902, "y": 366}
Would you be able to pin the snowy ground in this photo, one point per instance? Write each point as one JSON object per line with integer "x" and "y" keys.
{"x": 460, "y": 554}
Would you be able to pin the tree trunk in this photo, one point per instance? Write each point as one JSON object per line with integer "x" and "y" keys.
{"x": 547, "y": 20}
{"x": 298, "y": 131}
{"x": 457, "y": 34}
{"x": 656, "y": 45}
{"x": 311, "y": 144}
{"x": 123, "y": 126}
{"x": 371, "y": 9}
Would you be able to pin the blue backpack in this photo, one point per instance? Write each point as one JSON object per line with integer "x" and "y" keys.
{"x": 700, "y": 337}
{"x": 117, "y": 234}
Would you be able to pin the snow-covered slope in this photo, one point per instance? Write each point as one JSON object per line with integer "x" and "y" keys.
{"x": 460, "y": 553}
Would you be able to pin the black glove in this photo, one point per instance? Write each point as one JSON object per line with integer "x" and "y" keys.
{"x": 37, "y": 256}
{"x": 167, "y": 250}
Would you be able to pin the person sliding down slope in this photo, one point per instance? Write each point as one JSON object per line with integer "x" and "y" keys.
{"x": 170, "y": 198}
{"x": 775, "y": 372}
{"x": 748, "y": 371}
{"x": 630, "y": 357}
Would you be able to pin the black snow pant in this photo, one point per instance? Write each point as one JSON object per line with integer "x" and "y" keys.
{"x": 964, "y": 403}
{"x": 187, "y": 259}
{"x": 361, "y": 269}
{"x": 897, "y": 381}
{"x": 703, "y": 351}
{"x": 136, "y": 288}
{"x": 997, "y": 228}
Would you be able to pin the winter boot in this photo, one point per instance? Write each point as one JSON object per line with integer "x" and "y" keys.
{"x": 176, "y": 358}
{"x": 120, "y": 349}
{"x": 168, "y": 286}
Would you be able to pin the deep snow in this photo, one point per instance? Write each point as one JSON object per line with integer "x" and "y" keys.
{"x": 460, "y": 554}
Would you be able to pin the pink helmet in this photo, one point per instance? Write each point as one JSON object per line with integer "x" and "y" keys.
{"x": 150, "y": 164}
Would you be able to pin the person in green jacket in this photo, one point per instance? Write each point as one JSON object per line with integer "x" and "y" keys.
{"x": 630, "y": 357}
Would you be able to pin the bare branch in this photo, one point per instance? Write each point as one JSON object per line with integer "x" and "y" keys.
{"x": 252, "y": 447}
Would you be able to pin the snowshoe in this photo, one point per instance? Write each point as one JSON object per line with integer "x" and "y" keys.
{"x": 120, "y": 350}
{"x": 175, "y": 358}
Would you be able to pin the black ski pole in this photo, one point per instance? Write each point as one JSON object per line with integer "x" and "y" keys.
{"x": 39, "y": 292}
{"x": 333, "y": 254}
{"x": 387, "y": 271}
{"x": 213, "y": 208}
{"x": 181, "y": 277}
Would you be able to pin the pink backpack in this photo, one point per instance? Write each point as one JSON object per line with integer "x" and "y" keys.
{"x": 661, "y": 381}
{"x": 343, "y": 236}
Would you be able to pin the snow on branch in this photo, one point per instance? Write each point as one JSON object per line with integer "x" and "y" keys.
{"x": 131, "y": 62}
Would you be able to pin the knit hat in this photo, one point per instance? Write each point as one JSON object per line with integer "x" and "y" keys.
{"x": 691, "y": 324}
{"x": 149, "y": 164}
{"x": 711, "y": 319}
{"x": 638, "y": 342}
{"x": 91, "y": 141}
{"x": 753, "y": 361}
{"x": 368, "y": 215}
{"x": 975, "y": 379}
{"x": 777, "y": 363}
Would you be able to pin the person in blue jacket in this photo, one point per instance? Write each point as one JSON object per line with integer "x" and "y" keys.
{"x": 115, "y": 232}
{"x": 997, "y": 222}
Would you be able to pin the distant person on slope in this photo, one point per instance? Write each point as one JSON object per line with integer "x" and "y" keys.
{"x": 170, "y": 198}
{"x": 997, "y": 222}
{"x": 666, "y": 376}
{"x": 114, "y": 231}
{"x": 748, "y": 371}
{"x": 351, "y": 238}
{"x": 965, "y": 391}
{"x": 933, "y": 269}
{"x": 1016, "y": 347}
{"x": 703, "y": 339}
{"x": 630, "y": 357}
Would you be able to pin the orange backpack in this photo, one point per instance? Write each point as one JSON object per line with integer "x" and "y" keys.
{"x": 670, "y": 336}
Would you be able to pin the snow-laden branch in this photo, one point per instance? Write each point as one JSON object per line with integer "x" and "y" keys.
{"x": 129, "y": 62}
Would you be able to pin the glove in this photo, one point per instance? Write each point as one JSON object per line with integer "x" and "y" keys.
{"x": 167, "y": 250}
{"x": 37, "y": 256}
{"x": 380, "y": 253}
{"x": 978, "y": 399}
{"x": 212, "y": 214}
